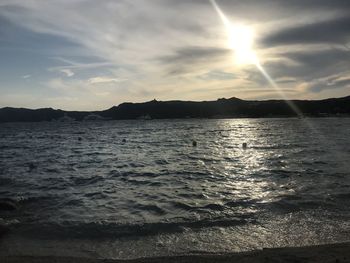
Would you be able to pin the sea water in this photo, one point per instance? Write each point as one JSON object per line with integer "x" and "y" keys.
{"x": 128, "y": 189}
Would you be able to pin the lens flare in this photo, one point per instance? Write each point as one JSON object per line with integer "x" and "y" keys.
{"x": 240, "y": 39}
{"x": 241, "y": 42}
{"x": 278, "y": 90}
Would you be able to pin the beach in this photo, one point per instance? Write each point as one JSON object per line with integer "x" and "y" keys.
{"x": 322, "y": 253}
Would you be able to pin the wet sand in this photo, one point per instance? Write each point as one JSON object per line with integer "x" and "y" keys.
{"x": 335, "y": 253}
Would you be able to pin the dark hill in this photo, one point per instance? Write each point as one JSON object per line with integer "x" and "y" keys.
{"x": 221, "y": 108}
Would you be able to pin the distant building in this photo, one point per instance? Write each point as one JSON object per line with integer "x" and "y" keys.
{"x": 93, "y": 117}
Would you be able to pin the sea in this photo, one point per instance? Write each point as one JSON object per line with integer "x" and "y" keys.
{"x": 145, "y": 188}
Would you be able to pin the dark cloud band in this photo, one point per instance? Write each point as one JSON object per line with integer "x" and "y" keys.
{"x": 331, "y": 31}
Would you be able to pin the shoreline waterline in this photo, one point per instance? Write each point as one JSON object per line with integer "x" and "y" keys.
{"x": 338, "y": 252}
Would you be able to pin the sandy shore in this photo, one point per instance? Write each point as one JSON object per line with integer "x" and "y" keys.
{"x": 335, "y": 253}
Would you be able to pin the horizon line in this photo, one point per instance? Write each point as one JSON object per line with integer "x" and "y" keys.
{"x": 328, "y": 98}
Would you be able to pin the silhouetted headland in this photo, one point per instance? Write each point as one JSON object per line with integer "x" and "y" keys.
{"x": 221, "y": 108}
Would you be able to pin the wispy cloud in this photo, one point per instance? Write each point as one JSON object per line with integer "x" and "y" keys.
{"x": 331, "y": 31}
{"x": 73, "y": 65}
{"x": 95, "y": 80}
{"x": 67, "y": 72}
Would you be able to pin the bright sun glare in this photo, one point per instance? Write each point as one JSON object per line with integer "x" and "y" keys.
{"x": 241, "y": 39}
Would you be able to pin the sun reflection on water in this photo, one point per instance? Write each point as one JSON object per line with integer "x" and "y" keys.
{"x": 245, "y": 172}
{"x": 241, "y": 41}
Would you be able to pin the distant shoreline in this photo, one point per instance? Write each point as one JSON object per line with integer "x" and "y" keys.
{"x": 221, "y": 108}
{"x": 339, "y": 252}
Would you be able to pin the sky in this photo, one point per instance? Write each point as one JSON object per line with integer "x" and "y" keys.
{"x": 91, "y": 55}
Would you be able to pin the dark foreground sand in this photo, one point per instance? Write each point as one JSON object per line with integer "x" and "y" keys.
{"x": 334, "y": 253}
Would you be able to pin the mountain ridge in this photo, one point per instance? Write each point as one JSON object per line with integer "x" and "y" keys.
{"x": 220, "y": 108}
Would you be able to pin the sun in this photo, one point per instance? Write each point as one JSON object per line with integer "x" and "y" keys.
{"x": 241, "y": 40}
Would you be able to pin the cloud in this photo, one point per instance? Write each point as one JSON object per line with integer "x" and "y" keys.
{"x": 338, "y": 81}
{"x": 79, "y": 65}
{"x": 193, "y": 54}
{"x": 26, "y": 76}
{"x": 305, "y": 65}
{"x": 67, "y": 72}
{"x": 97, "y": 80}
{"x": 191, "y": 58}
{"x": 217, "y": 75}
{"x": 319, "y": 60}
{"x": 310, "y": 5}
{"x": 334, "y": 31}
{"x": 110, "y": 30}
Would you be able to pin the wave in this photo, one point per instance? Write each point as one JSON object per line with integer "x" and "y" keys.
{"x": 297, "y": 203}
{"x": 100, "y": 230}
{"x": 214, "y": 206}
{"x": 84, "y": 181}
